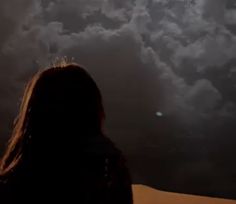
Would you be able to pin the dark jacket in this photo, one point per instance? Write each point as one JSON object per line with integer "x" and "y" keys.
{"x": 97, "y": 175}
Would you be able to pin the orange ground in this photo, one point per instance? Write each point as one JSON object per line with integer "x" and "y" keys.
{"x": 146, "y": 195}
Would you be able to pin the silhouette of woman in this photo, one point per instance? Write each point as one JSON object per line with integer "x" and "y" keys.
{"x": 58, "y": 152}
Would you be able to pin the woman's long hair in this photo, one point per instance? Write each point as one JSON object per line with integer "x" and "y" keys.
{"x": 58, "y": 100}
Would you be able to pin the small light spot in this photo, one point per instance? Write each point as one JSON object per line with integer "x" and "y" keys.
{"x": 159, "y": 114}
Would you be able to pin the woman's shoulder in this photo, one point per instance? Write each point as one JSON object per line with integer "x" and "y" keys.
{"x": 100, "y": 152}
{"x": 101, "y": 145}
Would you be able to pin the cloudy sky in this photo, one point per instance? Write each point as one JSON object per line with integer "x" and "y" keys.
{"x": 171, "y": 57}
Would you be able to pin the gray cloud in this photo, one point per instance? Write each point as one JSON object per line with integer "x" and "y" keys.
{"x": 11, "y": 16}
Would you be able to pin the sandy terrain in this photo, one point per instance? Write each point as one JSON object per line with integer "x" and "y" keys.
{"x": 146, "y": 195}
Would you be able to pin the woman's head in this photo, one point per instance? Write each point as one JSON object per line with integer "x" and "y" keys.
{"x": 57, "y": 101}
{"x": 68, "y": 98}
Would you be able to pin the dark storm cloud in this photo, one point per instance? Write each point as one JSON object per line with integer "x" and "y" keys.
{"x": 12, "y": 16}
{"x": 172, "y": 56}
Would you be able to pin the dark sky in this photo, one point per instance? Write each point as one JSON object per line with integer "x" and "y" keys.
{"x": 177, "y": 57}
